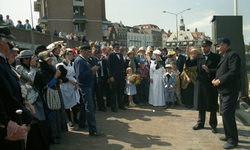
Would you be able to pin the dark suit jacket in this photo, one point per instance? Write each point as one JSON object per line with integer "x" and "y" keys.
{"x": 10, "y": 94}
{"x": 104, "y": 68}
{"x": 180, "y": 62}
{"x": 116, "y": 67}
{"x": 92, "y": 61}
{"x": 205, "y": 94}
{"x": 229, "y": 73}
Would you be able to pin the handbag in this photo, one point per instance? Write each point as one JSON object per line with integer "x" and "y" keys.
{"x": 52, "y": 98}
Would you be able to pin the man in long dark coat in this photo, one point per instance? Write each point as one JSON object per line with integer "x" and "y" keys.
{"x": 205, "y": 94}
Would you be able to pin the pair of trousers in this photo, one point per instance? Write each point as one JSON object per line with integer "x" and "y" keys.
{"x": 87, "y": 110}
{"x": 169, "y": 96}
{"x": 212, "y": 119}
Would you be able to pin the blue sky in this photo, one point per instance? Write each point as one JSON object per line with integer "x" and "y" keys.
{"x": 134, "y": 12}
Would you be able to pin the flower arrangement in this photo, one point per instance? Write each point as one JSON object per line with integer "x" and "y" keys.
{"x": 135, "y": 79}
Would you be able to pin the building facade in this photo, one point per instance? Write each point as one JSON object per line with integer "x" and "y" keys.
{"x": 155, "y": 31}
{"x": 121, "y": 32}
{"x": 112, "y": 38}
{"x": 80, "y": 17}
{"x": 135, "y": 37}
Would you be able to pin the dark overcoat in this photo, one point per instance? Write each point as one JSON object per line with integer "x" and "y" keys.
{"x": 205, "y": 94}
{"x": 116, "y": 67}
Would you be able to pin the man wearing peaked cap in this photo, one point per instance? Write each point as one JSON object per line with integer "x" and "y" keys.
{"x": 10, "y": 97}
{"x": 228, "y": 83}
{"x": 85, "y": 79}
{"x": 205, "y": 95}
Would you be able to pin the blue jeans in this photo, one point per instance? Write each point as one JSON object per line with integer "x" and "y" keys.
{"x": 169, "y": 96}
{"x": 87, "y": 110}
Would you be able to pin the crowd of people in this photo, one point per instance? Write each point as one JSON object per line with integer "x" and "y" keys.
{"x": 55, "y": 80}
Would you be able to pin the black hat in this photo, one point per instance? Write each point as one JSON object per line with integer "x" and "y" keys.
{"x": 116, "y": 45}
{"x": 164, "y": 49}
{"x": 40, "y": 48}
{"x": 5, "y": 32}
{"x": 176, "y": 49}
{"x": 98, "y": 51}
{"x": 206, "y": 42}
{"x": 85, "y": 47}
{"x": 222, "y": 40}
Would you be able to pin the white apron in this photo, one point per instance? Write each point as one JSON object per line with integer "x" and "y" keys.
{"x": 156, "y": 89}
{"x": 70, "y": 96}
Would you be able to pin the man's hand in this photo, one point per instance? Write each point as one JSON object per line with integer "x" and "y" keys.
{"x": 205, "y": 68}
{"x": 94, "y": 69}
{"x": 112, "y": 79}
{"x": 60, "y": 81}
{"x": 216, "y": 82}
{"x": 19, "y": 135}
{"x": 170, "y": 88}
{"x": 187, "y": 52}
{"x": 76, "y": 87}
{"x": 189, "y": 80}
{"x": 12, "y": 128}
{"x": 33, "y": 61}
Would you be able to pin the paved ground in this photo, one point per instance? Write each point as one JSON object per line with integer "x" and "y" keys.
{"x": 142, "y": 128}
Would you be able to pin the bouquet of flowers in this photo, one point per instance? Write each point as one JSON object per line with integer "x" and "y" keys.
{"x": 135, "y": 79}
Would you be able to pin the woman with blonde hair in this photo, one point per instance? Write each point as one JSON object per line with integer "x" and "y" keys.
{"x": 188, "y": 77}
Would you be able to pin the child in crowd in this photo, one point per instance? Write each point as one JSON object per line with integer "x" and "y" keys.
{"x": 177, "y": 87}
{"x": 142, "y": 89}
{"x": 130, "y": 88}
{"x": 169, "y": 82}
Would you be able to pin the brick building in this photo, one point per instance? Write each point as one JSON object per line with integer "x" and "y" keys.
{"x": 80, "y": 17}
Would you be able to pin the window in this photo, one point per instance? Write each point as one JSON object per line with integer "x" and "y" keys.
{"x": 113, "y": 36}
{"x": 186, "y": 37}
{"x": 104, "y": 27}
{"x": 79, "y": 27}
{"x": 78, "y": 0}
{"x": 78, "y": 10}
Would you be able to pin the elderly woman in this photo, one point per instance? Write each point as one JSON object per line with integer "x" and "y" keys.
{"x": 55, "y": 48}
{"x": 48, "y": 77}
{"x": 188, "y": 77}
{"x": 38, "y": 135}
{"x": 131, "y": 62}
{"x": 170, "y": 58}
{"x": 124, "y": 53}
{"x": 156, "y": 94}
{"x": 141, "y": 53}
{"x": 69, "y": 87}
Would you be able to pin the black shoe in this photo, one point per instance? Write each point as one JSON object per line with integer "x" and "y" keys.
{"x": 114, "y": 110}
{"x": 122, "y": 107}
{"x": 214, "y": 130}
{"x": 229, "y": 146}
{"x": 96, "y": 134}
{"x": 189, "y": 107}
{"x": 54, "y": 141}
{"x": 197, "y": 127}
{"x": 223, "y": 138}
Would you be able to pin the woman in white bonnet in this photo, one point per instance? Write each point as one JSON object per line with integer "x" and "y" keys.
{"x": 156, "y": 94}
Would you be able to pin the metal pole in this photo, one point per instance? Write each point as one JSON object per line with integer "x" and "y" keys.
{"x": 177, "y": 29}
{"x": 31, "y": 13}
{"x": 236, "y": 7}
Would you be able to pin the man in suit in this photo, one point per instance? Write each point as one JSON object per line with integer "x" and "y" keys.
{"x": 228, "y": 85}
{"x": 180, "y": 59}
{"x": 102, "y": 77}
{"x": 10, "y": 91}
{"x": 116, "y": 70}
{"x": 85, "y": 79}
{"x": 205, "y": 95}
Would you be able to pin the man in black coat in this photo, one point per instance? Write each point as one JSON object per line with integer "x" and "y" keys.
{"x": 228, "y": 85}
{"x": 180, "y": 59}
{"x": 116, "y": 70}
{"x": 205, "y": 95}
{"x": 10, "y": 91}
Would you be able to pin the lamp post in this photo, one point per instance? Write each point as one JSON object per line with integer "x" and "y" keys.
{"x": 176, "y": 14}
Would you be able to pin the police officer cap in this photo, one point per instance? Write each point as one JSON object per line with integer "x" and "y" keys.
{"x": 222, "y": 40}
{"x": 176, "y": 49}
{"x": 116, "y": 45}
{"x": 5, "y": 32}
{"x": 206, "y": 43}
{"x": 85, "y": 47}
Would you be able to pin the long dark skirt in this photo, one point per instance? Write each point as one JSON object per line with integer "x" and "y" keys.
{"x": 38, "y": 138}
{"x": 188, "y": 95}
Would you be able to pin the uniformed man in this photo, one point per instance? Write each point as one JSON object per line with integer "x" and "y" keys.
{"x": 205, "y": 94}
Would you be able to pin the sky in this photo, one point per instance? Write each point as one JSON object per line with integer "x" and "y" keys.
{"x": 135, "y": 12}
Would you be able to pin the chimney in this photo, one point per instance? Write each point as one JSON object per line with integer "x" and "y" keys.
{"x": 196, "y": 30}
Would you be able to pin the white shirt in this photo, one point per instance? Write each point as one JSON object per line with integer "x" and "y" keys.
{"x": 117, "y": 55}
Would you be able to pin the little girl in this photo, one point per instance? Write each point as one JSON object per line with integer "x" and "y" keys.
{"x": 130, "y": 88}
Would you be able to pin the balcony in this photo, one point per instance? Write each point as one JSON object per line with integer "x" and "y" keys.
{"x": 79, "y": 18}
{"x": 44, "y": 20}
{"x": 37, "y": 6}
{"x": 78, "y": 2}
